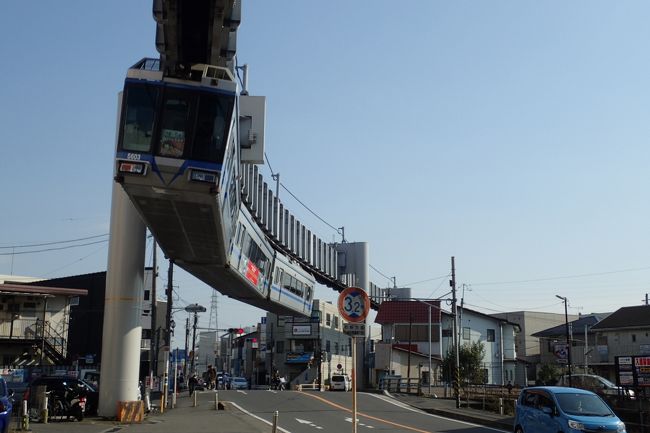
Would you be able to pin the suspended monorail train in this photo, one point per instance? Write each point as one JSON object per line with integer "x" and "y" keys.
{"x": 178, "y": 159}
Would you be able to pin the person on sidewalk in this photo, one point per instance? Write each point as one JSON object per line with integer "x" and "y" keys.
{"x": 192, "y": 383}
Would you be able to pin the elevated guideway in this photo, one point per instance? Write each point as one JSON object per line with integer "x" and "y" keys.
{"x": 189, "y": 36}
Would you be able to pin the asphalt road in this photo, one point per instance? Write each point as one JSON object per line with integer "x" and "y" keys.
{"x": 311, "y": 412}
{"x": 298, "y": 412}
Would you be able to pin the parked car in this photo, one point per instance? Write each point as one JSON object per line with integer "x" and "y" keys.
{"x": 64, "y": 388}
{"x": 552, "y": 409}
{"x": 238, "y": 383}
{"x": 6, "y": 406}
{"x": 90, "y": 376}
{"x": 340, "y": 382}
{"x": 597, "y": 384}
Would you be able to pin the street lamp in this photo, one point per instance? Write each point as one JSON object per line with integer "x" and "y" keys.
{"x": 568, "y": 335}
{"x": 194, "y": 308}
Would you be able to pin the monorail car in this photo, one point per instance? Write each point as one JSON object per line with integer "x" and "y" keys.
{"x": 178, "y": 159}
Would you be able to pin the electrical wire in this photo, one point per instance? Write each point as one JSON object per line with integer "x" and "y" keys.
{"x": 76, "y": 261}
{"x": 273, "y": 174}
{"x": 54, "y": 242}
{"x": 427, "y": 280}
{"x": 562, "y": 277}
{"x": 53, "y": 249}
{"x": 380, "y": 273}
{"x": 503, "y": 306}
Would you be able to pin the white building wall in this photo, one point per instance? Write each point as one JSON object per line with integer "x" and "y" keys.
{"x": 499, "y": 357}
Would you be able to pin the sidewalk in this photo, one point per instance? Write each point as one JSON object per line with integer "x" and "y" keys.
{"x": 447, "y": 407}
{"x": 201, "y": 419}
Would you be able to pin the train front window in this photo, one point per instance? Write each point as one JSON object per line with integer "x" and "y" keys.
{"x": 138, "y": 118}
{"x": 212, "y": 127}
{"x": 174, "y": 125}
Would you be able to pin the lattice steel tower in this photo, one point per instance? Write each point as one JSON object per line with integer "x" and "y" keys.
{"x": 214, "y": 316}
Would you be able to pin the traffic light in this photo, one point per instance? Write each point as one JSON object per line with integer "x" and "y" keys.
{"x": 235, "y": 331}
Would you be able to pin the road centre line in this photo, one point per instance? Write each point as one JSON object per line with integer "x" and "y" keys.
{"x": 366, "y": 415}
{"x": 257, "y": 417}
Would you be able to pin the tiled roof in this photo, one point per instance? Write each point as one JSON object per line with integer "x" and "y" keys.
{"x": 408, "y": 311}
{"x": 578, "y": 326}
{"x": 626, "y": 317}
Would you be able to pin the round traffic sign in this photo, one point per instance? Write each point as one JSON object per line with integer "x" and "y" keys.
{"x": 354, "y": 304}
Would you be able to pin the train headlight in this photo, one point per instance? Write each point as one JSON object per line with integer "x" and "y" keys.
{"x": 203, "y": 176}
{"x": 132, "y": 167}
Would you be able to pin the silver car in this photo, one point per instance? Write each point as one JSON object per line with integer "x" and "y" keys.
{"x": 597, "y": 384}
{"x": 238, "y": 383}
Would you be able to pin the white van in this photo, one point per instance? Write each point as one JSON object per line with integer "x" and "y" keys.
{"x": 340, "y": 382}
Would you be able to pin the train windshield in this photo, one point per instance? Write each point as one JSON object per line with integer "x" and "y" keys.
{"x": 138, "y": 118}
{"x": 176, "y": 123}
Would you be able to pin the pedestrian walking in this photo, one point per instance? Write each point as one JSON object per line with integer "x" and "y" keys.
{"x": 192, "y": 383}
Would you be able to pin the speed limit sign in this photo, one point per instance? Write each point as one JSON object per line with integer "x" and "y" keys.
{"x": 354, "y": 304}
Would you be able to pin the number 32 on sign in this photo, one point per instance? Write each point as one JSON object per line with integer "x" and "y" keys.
{"x": 354, "y": 304}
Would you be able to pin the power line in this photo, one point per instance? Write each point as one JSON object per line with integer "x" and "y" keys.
{"x": 562, "y": 277}
{"x": 311, "y": 211}
{"x": 53, "y": 249}
{"x": 72, "y": 263}
{"x": 380, "y": 273}
{"x": 337, "y": 230}
{"x": 55, "y": 242}
{"x": 427, "y": 280}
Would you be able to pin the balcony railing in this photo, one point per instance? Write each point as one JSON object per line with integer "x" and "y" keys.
{"x": 33, "y": 329}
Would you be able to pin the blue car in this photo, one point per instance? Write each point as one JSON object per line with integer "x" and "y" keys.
{"x": 6, "y": 406}
{"x": 553, "y": 409}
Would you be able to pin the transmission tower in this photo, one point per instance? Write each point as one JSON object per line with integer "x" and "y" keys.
{"x": 214, "y": 305}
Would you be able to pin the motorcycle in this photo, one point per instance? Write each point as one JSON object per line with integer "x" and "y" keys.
{"x": 71, "y": 404}
{"x": 279, "y": 384}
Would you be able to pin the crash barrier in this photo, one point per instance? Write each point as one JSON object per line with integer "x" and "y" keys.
{"x": 130, "y": 411}
{"x": 308, "y": 387}
{"x": 401, "y": 385}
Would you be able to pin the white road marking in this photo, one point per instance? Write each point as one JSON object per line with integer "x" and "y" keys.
{"x": 257, "y": 417}
{"x": 412, "y": 409}
{"x": 304, "y": 421}
{"x": 270, "y": 390}
{"x": 243, "y": 392}
{"x": 349, "y": 419}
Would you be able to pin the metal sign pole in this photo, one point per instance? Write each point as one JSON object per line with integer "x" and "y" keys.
{"x": 354, "y": 385}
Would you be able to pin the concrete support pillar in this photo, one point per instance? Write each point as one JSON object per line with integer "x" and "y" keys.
{"x": 122, "y": 332}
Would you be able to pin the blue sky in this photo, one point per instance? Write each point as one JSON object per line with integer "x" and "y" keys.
{"x": 509, "y": 134}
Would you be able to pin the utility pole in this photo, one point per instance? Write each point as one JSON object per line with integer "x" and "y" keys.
{"x": 187, "y": 338}
{"x": 568, "y": 334}
{"x": 408, "y": 362}
{"x": 196, "y": 319}
{"x": 168, "y": 330}
{"x": 153, "y": 350}
{"x": 455, "y": 334}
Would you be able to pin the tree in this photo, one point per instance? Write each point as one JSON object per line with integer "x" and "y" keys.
{"x": 471, "y": 357}
{"x": 548, "y": 374}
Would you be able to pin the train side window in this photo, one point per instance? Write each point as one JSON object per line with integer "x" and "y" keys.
{"x": 308, "y": 293}
{"x": 174, "y": 125}
{"x": 246, "y": 241}
{"x": 286, "y": 281}
{"x": 278, "y": 276}
{"x": 139, "y": 117}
